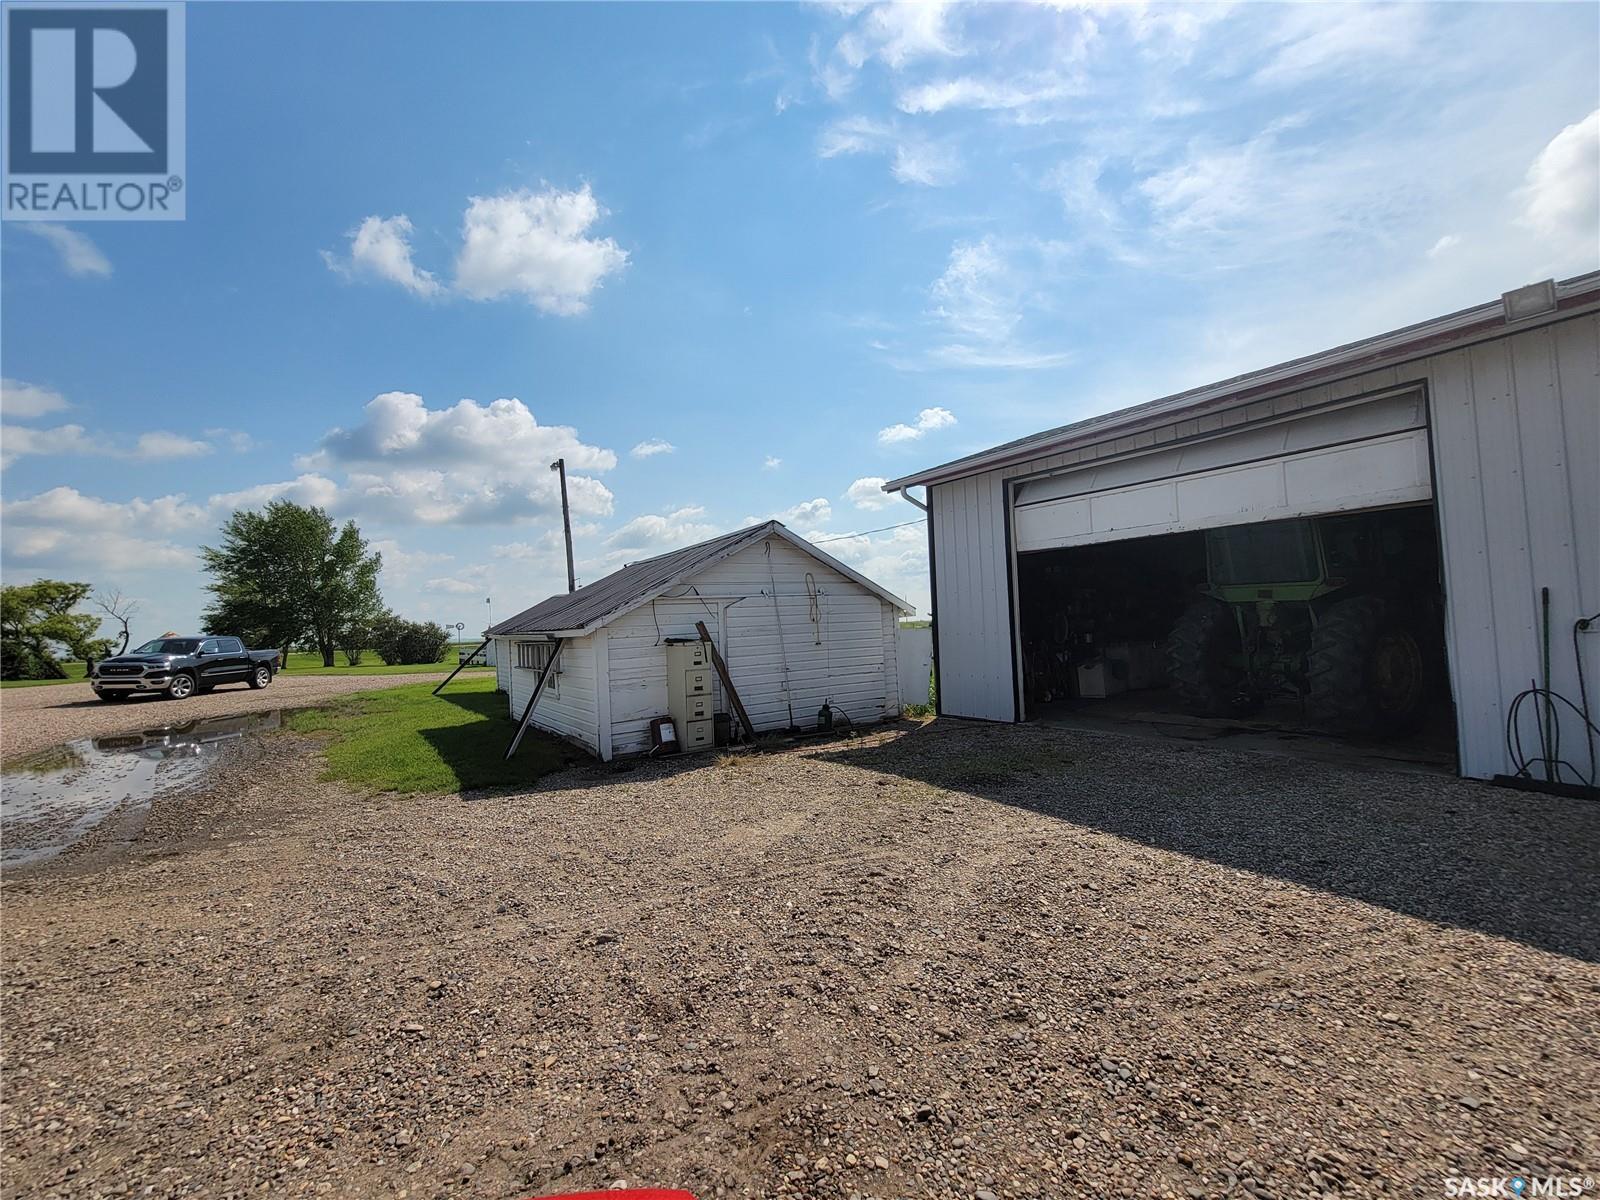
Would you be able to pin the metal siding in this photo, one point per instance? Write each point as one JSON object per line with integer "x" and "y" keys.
{"x": 1518, "y": 495}
{"x": 973, "y": 612}
{"x": 1516, "y": 445}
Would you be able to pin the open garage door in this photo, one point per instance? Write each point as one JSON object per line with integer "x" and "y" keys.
{"x": 1356, "y": 455}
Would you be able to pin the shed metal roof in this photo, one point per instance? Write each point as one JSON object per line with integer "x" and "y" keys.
{"x": 598, "y": 603}
{"x": 1399, "y": 345}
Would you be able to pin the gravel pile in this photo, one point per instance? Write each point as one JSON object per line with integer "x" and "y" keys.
{"x": 37, "y": 717}
{"x": 938, "y": 961}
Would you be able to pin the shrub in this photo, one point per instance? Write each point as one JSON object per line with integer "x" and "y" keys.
{"x": 397, "y": 640}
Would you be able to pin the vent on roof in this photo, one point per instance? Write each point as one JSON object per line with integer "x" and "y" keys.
{"x": 1532, "y": 301}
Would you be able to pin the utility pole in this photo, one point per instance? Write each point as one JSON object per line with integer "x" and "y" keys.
{"x": 560, "y": 467}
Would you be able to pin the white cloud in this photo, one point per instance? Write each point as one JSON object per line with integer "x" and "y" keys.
{"x": 238, "y": 440}
{"x": 1014, "y": 94}
{"x": 163, "y": 445}
{"x": 310, "y": 490}
{"x": 868, "y": 493}
{"x": 79, "y": 255}
{"x": 896, "y": 558}
{"x": 771, "y": 463}
{"x": 400, "y": 564}
{"x": 1445, "y": 244}
{"x": 398, "y": 428}
{"x": 652, "y": 447}
{"x": 64, "y": 527}
{"x": 1349, "y": 40}
{"x": 900, "y": 33}
{"x": 656, "y": 533}
{"x": 469, "y": 464}
{"x": 476, "y": 585}
{"x": 380, "y": 247}
{"x": 1561, "y": 198}
{"x": 17, "y": 441}
{"x": 911, "y": 159}
{"x": 808, "y": 514}
{"x": 981, "y": 297}
{"x": 21, "y": 401}
{"x": 536, "y": 244}
{"x": 928, "y": 420}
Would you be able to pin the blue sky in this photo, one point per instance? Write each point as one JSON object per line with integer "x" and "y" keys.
{"x": 738, "y": 261}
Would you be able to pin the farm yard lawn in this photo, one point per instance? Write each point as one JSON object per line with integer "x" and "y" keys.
{"x": 938, "y": 960}
{"x": 75, "y": 673}
{"x": 405, "y": 739}
{"x": 300, "y": 664}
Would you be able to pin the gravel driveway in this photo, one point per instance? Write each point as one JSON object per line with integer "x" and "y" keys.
{"x": 36, "y": 717}
{"x": 943, "y": 961}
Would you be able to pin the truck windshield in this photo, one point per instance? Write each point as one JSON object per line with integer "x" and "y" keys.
{"x": 1274, "y": 552}
{"x": 169, "y": 646}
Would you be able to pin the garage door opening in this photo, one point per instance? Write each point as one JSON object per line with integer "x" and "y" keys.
{"x": 1311, "y": 629}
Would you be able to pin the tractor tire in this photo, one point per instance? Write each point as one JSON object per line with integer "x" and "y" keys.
{"x": 1367, "y": 670}
{"x": 1198, "y": 649}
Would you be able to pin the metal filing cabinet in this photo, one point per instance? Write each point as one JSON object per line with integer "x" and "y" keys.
{"x": 690, "y": 702}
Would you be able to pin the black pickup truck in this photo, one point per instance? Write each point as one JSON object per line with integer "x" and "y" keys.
{"x": 181, "y": 666}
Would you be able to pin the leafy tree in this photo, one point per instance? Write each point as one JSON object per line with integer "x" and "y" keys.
{"x": 36, "y": 620}
{"x": 287, "y": 574}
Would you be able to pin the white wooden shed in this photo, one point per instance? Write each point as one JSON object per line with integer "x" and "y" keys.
{"x": 797, "y": 628}
{"x": 1488, "y": 417}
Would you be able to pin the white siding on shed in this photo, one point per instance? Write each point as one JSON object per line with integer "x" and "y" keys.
{"x": 567, "y": 706}
{"x": 638, "y": 665}
{"x": 613, "y": 682}
{"x": 845, "y": 655}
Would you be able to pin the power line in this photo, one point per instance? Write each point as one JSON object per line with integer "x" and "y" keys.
{"x": 841, "y": 537}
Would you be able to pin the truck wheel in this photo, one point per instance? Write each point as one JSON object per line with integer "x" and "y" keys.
{"x": 1367, "y": 670}
{"x": 181, "y": 687}
{"x": 1199, "y": 648}
{"x": 260, "y": 677}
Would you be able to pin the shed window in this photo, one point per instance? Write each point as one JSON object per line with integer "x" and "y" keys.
{"x": 533, "y": 656}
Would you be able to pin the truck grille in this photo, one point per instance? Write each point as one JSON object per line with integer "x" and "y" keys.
{"x": 121, "y": 670}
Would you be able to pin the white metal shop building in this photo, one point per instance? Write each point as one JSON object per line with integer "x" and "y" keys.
{"x": 1481, "y": 429}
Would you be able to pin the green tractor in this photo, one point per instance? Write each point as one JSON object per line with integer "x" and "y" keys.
{"x": 1340, "y": 612}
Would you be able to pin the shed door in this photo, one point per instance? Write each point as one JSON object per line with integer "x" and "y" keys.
{"x": 1361, "y": 455}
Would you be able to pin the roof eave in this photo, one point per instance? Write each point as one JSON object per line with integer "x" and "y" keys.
{"x": 1483, "y": 322}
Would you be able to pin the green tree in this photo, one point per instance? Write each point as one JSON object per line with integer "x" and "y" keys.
{"x": 288, "y": 574}
{"x": 36, "y": 621}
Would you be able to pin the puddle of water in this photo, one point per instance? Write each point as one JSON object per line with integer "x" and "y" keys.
{"x": 51, "y": 799}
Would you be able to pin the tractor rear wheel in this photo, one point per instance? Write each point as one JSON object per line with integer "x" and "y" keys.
{"x": 1200, "y": 653}
{"x": 1367, "y": 670}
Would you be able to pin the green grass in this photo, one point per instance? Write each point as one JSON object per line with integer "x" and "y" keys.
{"x": 300, "y": 663}
{"x": 404, "y": 739}
{"x": 74, "y": 670}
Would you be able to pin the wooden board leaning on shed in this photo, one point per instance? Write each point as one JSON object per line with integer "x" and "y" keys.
{"x": 747, "y": 730}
